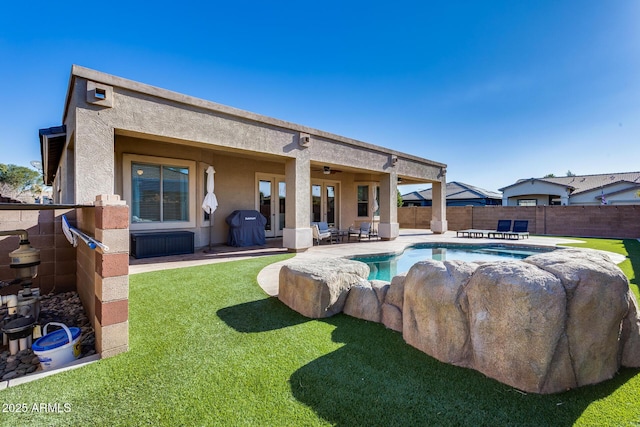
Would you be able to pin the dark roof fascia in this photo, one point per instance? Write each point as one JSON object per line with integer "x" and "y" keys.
{"x": 55, "y": 137}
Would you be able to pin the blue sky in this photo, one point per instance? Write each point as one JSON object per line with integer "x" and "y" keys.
{"x": 498, "y": 90}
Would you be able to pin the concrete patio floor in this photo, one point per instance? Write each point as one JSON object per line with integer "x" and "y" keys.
{"x": 269, "y": 276}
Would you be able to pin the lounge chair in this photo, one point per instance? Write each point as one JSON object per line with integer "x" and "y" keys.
{"x": 504, "y": 226}
{"x": 520, "y": 228}
{"x": 472, "y": 232}
{"x": 318, "y": 235}
{"x": 363, "y": 231}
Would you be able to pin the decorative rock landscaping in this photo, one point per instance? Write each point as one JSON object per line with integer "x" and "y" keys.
{"x": 549, "y": 323}
{"x": 62, "y": 308}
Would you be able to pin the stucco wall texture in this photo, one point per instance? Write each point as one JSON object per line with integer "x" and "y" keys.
{"x": 104, "y": 134}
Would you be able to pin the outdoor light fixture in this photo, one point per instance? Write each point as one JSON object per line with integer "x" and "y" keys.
{"x": 326, "y": 170}
{"x": 304, "y": 140}
{"x": 394, "y": 160}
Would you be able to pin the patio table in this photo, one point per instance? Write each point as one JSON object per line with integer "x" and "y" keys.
{"x": 338, "y": 235}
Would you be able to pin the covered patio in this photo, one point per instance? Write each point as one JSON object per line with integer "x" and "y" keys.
{"x": 152, "y": 147}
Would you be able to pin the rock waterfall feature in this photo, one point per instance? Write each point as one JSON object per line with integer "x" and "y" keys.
{"x": 546, "y": 324}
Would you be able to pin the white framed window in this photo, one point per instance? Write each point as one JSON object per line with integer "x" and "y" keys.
{"x": 160, "y": 192}
{"x": 363, "y": 200}
{"x": 527, "y": 202}
{"x": 368, "y": 203}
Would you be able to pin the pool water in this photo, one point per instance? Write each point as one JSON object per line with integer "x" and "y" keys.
{"x": 384, "y": 267}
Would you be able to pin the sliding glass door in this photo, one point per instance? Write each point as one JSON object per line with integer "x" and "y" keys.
{"x": 324, "y": 203}
{"x": 271, "y": 203}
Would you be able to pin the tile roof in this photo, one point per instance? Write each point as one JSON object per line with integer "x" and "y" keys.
{"x": 455, "y": 191}
{"x": 583, "y": 183}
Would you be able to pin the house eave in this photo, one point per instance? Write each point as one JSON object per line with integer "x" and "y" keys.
{"x": 107, "y": 79}
{"x": 52, "y": 141}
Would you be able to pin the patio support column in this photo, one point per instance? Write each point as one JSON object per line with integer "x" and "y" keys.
{"x": 297, "y": 235}
{"x": 439, "y": 207}
{"x": 111, "y": 321}
{"x": 389, "y": 227}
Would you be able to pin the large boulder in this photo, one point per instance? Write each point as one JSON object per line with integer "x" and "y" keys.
{"x": 395, "y": 294}
{"x": 434, "y": 318}
{"x": 516, "y": 315}
{"x": 365, "y": 300}
{"x": 597, "y": 302}
{"x": 391, "y": 317}
{"x": 393, "y": 302}
{"x": 319, "y": 288}
{"x": 556, "y": 321}
{"x": 630, "y": 336}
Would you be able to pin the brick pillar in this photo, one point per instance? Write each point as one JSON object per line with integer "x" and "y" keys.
{"x": 112, "y": 276}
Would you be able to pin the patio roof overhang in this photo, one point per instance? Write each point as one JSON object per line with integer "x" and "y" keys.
{"x": 52, "y": 141}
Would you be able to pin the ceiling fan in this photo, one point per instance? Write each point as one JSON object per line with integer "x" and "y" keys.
{"x": 326, "y": 170}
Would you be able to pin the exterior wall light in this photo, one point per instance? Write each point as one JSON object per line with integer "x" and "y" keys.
{"x": 304, "y": 139}
{"x": 99, "y": 94}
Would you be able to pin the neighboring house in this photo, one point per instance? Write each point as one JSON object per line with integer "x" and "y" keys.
{"x": 458, "y": 194}
{"x": 152, "y": 147}
{"x": 615, "y": 188}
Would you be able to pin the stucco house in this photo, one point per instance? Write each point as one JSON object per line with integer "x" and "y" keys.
{"x": 615, "y": 188}
{"x": 458, "y": 194}
{"x": 152, "y": 147}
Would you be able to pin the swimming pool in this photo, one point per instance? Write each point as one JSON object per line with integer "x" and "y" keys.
{"x": 384, "y": 267}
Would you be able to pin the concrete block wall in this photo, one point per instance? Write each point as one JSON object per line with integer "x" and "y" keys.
{"x": 487, "y": 217}
{"x": 416, "y": 217}
{"x": 57, "y": 269}
{"x": 597, "y": 221}
{"x": 460, "y": 218}
{"x": 110, "y": 284}
{"x": 86, "y": 261}
{"x": 100, "y": 278}
{"x": 585, "y": 221}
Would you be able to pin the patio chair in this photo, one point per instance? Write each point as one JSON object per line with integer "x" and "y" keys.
{"x": 363, "y": 231}
{"x": 520, "y": 229}
{"x": 318, "y": 236}
{"x": 323, "y": 227}
{"x": 504, "y": 226}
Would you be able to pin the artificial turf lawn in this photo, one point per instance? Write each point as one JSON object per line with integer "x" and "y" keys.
{"x": 208, "y": 348}
{"x": 630, "y": 248}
